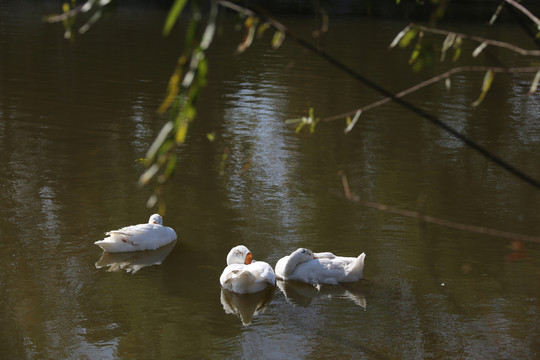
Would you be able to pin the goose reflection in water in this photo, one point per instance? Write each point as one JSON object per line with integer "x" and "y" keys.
{"x": 134, "y": 261}
{"x": 302, "y": 294}
{"x": 245, "y": 306}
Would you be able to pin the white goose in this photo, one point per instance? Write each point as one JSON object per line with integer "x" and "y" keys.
{"x": 320, "y": 268}
{"x": 138, "y": 237}
{"x": 244, "y": 275}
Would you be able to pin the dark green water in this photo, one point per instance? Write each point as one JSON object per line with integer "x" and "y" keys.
{"x": 75, "y": 117}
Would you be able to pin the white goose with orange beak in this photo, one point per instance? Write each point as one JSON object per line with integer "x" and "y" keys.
{"x": 138, "y": 237}
{"x": 243, "y": 275}
{"x": 320, "y": 268}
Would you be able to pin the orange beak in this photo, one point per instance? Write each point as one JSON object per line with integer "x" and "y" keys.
{"x": 249, "y": 259}
{"x": 153, "y": 222}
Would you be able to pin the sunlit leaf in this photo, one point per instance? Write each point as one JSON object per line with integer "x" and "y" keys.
{"x": 448, "y": 84}
{"x": 415, "y": 54}
{"x": 203, "y": 71}
{"x": 277, "y": 40}
{"x": 148, "y": 174}
{"x": 486, "y": 84}
{"x": 165, "y": 147}
{"x": 353, "y": 122}
{"x": 93, "y": 19}
{"x": 457, "y": 48}
{"x": 299, "y": 127}
{"x": 534, "y": 84}
{"x": 262, "y": 29}
{"x": 172, "y": 91}
{"x": 171, "y": 166}
{"x": 181, "y": 132}
{"x": 68, "y": 23}
{"x": 152, "y": 200}
{"x": 211, "y": 136}
{"x": 398, "y": 37}
{"x": 210, "y": 30}
{"x": 447, "y": 44}
{"x": 190, "y": 112}
{"x": 165, "y": 131}
{"x": 190, "y": 33}
{"x": 174, "y": 12}
{"x": 293, "y": 121}
{"x": 250, "y": 25}
{"x": 407, "y": 38}
{"x": 496, "y": 13}
{"x": 479, "y": 49}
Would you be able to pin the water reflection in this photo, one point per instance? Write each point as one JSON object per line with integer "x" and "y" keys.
{"x": 134, "y": 261}
{"x": 245, "y": 306}
{"x": 302, "y": 294}
{"x": 256, "y": 135}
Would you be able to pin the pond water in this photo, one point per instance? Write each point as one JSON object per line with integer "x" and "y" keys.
{"x": 75, "y": 117}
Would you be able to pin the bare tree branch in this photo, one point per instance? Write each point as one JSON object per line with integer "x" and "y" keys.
{"x": 479, "y": 39}
{"x": 349, "y": 195}
{"x": 524, "y": 11}
{"x": 433, "y": 80}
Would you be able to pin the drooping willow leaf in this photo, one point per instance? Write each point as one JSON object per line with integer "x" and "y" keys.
{"x": 486, "y": 84}
{"x": 173, "y": 15}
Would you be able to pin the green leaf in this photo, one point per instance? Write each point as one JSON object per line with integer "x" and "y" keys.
{"x": 448, "y": 84}
{"x": 160, "y": 139}
{"x": 534, "y": 84}
{"x": 175, "y": 11}
{"x": 277, "y": 40}
{"x": 148, "y": 174}
{"x": 351, "y": 123}
{"x": 457, "y": 48}
{"x": 479, "y": 49}
{"x": 398, "y": 37}
{"x": 447, "y": 43}
{"x": 262, "y": 28}
{"x": 171, "y": 166}
{"x": 486, "y": 84}
{"x": 299, "y": 127}
{"x": 407, "y": 38}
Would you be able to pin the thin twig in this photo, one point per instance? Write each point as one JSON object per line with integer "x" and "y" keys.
{"x": 479, "y": 39}
{"x": 433, "y": 80}
{"x": 524, "y": 11}
{"x": 61, "y": 17}
{"x": 433, "y": 220}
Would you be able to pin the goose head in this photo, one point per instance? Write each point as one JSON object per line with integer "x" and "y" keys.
{"x": 156, "y": 219}
{"x": 302, "y": 255}
{"x": 297, "y": 257}
{"x": 239, "y": 255}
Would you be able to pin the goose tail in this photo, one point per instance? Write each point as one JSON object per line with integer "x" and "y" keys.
{"x": 357, "y": 271}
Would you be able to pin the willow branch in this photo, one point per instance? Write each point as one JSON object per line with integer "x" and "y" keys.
{"x": 349, "y": 195}
{"x": 480, "y": 39}
{"x": 524, "y": 10}
{"x": 68, "y": 14}
{"x": 405, "y": 104}
{"x": 433, "y": 80}
{"x": 248, "y": 12}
